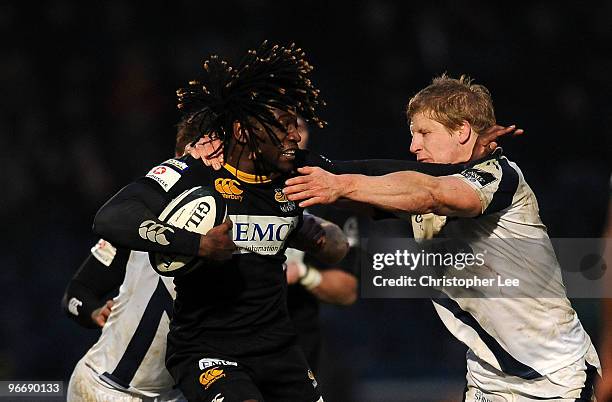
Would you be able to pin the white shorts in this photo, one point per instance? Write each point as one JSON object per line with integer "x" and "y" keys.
{"x": 571, "y": 383}
{"x": 84, "y": 386}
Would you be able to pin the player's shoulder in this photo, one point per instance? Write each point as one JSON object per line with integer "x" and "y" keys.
{"x": 490, "y": 169}
{"x": 305, "y": 157}
{"x": 184, "y": 164}
{"x": 183, "y": 169}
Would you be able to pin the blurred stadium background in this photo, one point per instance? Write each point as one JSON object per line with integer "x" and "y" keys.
{"x": 88, "y": 105}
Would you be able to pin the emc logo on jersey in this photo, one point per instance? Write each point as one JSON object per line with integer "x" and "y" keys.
{"x": 253, "y": 231}
{"x": 229, "y": 189}
{"x": 264, "y": 235}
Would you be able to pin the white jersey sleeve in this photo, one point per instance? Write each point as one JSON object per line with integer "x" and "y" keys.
{"x": 495, "y": 182}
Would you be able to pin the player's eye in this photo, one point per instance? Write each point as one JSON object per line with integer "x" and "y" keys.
{"x": 290, "y": 126}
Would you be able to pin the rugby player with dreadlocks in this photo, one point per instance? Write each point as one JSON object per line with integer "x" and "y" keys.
{"x": 230, "y": 337}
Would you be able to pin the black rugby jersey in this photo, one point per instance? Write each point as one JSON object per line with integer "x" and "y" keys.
{"x": 218, "y": 302}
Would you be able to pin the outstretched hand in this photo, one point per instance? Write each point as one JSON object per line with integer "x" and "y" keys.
{"x": 205, "y": 148}
{"x": 487, "y": 140}
{"x": 314, "y": 186}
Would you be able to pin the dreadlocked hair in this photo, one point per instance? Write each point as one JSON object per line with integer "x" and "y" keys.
{"x": 269, "y": 77}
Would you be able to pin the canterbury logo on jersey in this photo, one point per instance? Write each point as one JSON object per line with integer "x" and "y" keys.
{"x": 218, "y": 398}
{"x": 265, "y": 235}
{"x": 210, "y": 376}
{"x": 228, "y": 188}
{"x": 149, "y": 230}
{"x": 73, "y": 306}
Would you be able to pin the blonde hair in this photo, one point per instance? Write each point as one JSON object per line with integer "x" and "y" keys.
{"x": 450, "y": 101}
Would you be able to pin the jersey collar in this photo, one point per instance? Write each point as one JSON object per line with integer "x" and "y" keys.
{"x": 246, "y": 177}
{"x": 496, "y": 154}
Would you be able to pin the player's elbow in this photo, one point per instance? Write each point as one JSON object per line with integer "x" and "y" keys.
{"x": 349, "y": 296}
{"x": 445, "y": 198}
{"x": 103, "y": 222}
{"x": 64, "y": 305}
{"x": 427, "y": 199}
{"x": 335, "y": 251}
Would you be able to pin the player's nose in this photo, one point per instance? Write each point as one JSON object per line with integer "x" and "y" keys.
{"x": 294, "y": 135}
{"x": 416, "y": 144}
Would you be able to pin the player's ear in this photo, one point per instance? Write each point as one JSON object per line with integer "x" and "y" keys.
{"x": 239, "y": 133}
{"x": 464, "y": 132}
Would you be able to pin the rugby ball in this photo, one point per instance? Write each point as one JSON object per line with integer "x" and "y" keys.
{"x": 197, "y": 210}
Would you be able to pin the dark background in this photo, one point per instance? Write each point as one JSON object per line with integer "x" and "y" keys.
{"x": 88, "y": 105}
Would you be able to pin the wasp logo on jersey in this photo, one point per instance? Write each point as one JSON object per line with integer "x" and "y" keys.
{"x": 229, "y": 189}
{"x": 210, "y": 376}
{"x": 286, "y": 205}
{"x": 265, "y": 235}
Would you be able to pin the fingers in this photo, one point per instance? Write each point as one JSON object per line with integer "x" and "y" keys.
{"x": 308, "y": 169}
{"x": 296, "y": 180}
{"x": 226, "y": 226}
{"x": 205, "y": 148}
{"x": 104, "y": 313}
{"x": 311, "y": 202}
{"x": 296, "y": 188}
{"x": 301, "y": 195}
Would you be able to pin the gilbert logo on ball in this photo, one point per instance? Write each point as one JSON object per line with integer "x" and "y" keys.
{"x": 197, "y": 210}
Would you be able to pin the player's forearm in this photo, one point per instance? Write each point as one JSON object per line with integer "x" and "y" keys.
{"x": 78, "y": 303}
{"x": 409, "y": 192}
{"x": 129, "y": 220}
{"x": 336, "y": 287}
